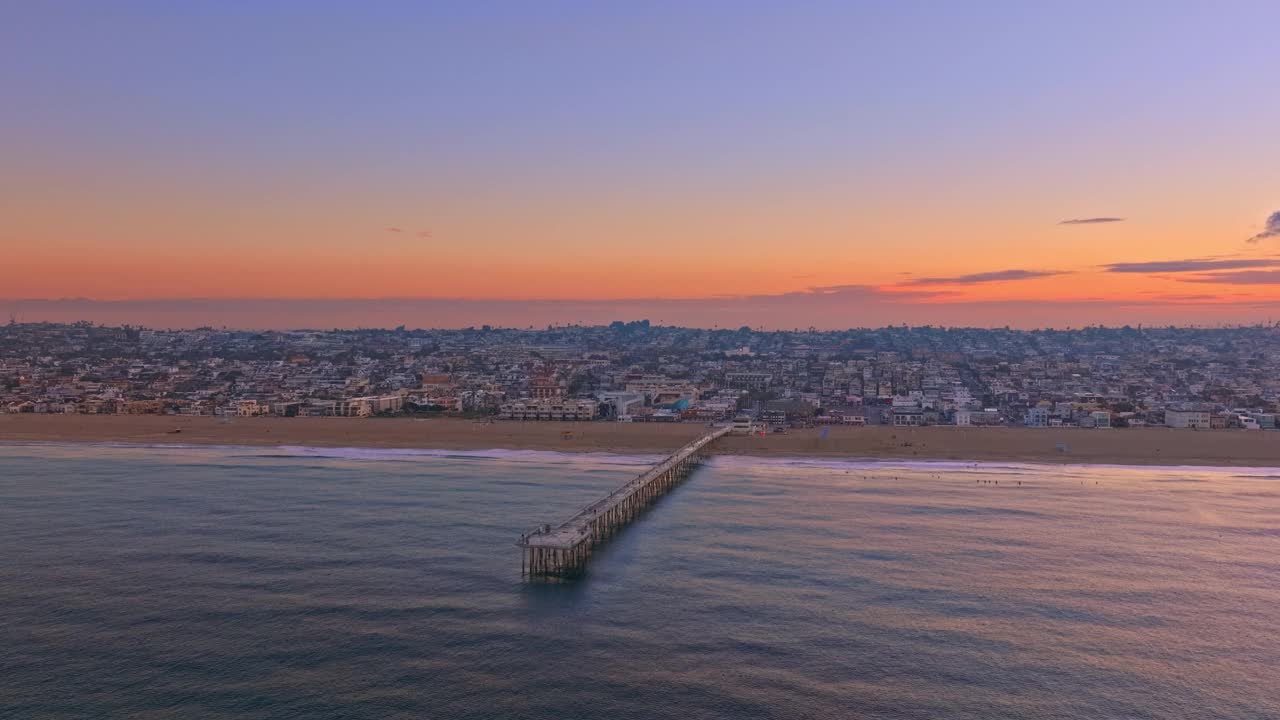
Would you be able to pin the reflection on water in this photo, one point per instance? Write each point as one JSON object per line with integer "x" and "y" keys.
{"x": 233, "y": 582}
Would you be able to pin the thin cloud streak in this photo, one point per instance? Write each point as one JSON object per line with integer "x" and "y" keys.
{"x": 867, "y": 291}
{"x": 1091, "y": 221}
{"x": 1246, "y": 277}
{"x": 1201, "y": 297}
{"x": 1186, "y": 266}
{"x": 985, "y": 277}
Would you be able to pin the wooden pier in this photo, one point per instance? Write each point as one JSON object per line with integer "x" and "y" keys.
{"x": 564, "y": 549}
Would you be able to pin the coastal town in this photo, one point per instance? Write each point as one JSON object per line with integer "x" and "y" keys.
{"x": 1201, "y": 378}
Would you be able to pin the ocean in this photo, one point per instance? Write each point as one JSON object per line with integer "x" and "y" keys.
{"x": 229, "y": 582}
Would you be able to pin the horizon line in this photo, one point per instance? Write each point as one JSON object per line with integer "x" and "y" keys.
{"x": 563, "y": 326}
{"x": 830, "y": 309}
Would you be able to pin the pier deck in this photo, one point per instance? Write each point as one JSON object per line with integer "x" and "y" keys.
{"x": 565, "y": 548}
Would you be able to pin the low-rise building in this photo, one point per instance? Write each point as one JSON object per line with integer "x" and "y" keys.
{"x": 1193, "y": 419}
{"x": 550, "y": 409}
{"x": 1038, "y": 416}
{"x": 906, "y": 416}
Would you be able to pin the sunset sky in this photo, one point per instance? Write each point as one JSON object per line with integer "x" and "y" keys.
{"x": 285, "y": 164}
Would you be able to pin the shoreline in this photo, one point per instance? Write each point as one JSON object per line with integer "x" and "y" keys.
{"x": 1132, "y": 446}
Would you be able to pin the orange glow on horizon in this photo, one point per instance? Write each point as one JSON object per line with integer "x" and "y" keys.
{"x": 599, "y": 255}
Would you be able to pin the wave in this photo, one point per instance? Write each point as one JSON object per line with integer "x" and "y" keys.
{"x": 609, "y": 458}
{"x": 365, "y": 453}
{"x": 984, "y": 467}
{"x": 342, "y": 453}
{"x": 882, "y": 464}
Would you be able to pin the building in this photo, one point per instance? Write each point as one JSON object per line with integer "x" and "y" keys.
{"x": 1037, "y": 417}
{"x": 1193, "y": 419}
{"x": 547, "y": 387}
{"x": 364, "y": 406}
{"x": 621, "y": 405}
{"x": 432, "y": 380}
{"x": 660, "y": 390}
{"x": 141, "y": 407}
{"x": 748, "y": 380}
{"x": 906, "y": 416}
{"x": 249, "y": 408}
{"x": 550, "y": 409}
{"x": 711, "y": 409}
{"x": 838, "y": 417}
{"x": 986, "y": 416}
{"x": 774, "y": 417}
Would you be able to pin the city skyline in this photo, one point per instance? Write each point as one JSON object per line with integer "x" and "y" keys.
{"x": 837, "y": 165}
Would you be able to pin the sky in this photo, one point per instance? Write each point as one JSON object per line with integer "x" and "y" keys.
{"x": 800, "y": 164}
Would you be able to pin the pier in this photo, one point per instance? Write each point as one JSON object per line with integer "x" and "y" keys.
{"x": 564, "y": 549}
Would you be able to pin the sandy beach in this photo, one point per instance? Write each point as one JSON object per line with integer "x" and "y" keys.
{"x": 1138, "y": 446}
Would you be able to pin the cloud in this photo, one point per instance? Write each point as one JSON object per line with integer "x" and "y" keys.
{"x": 1091, "y": 221}
{"x": 1244, "y": 277}
{"x": 1271, "y": 230}
{"x": 985, "y": 277}
{"x": 424, "y": 233}
{"x": 822, "y": 293}
{"x": 862, "y": 291}
{"x": 1190, "y": 265}
{"x": 394, "y": 230}
{"x": 1198, "y": 297}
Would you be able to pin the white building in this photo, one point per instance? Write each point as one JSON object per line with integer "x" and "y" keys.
{"x": 1195, "y": 419}
{"x": 621, "y": 404}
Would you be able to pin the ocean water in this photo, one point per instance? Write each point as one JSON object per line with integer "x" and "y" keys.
{"x": 171, "y": 582}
